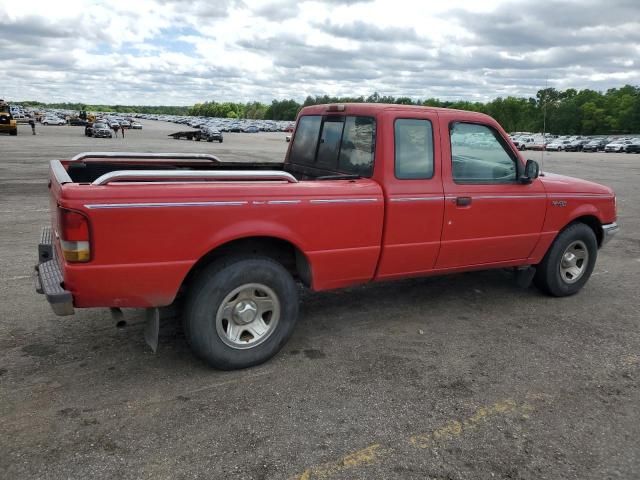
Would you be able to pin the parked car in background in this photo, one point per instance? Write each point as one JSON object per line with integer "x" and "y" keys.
{"x": 539, "y": 143}
{"x": 212, "y": 134}
{"x": 251, "y": 129}
{"x": 576, "y": 145}
{"x": 595, "y": 145}
{"x": 101, "y": 130}
{"x": 617, "y": 146}
{"x": 136, "y": 126}
{"x": 558, "y": 145}
{"x": 522, "y": 143}
{"x": 634, "y": 146}
{"x": 53, "y": 121}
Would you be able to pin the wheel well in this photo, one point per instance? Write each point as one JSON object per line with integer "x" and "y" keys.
{"x": 282, "y": 251}
{"x": 593, "y": 223}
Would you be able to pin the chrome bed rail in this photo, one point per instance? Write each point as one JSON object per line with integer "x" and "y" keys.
{"x": 146, "y": 156}
{"x": 192, "y": 175}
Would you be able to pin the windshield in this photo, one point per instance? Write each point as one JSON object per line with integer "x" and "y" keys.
{"x": 99, "y": 125}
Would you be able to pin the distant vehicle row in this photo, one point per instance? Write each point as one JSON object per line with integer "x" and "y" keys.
{"x": 577, "y": 143}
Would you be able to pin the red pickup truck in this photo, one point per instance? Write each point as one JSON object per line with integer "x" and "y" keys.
{"x": 365, "y": 193}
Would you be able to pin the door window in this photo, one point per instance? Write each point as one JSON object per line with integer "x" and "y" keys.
{"x": 414, "y": 149}
{"x": 480, "y": 155}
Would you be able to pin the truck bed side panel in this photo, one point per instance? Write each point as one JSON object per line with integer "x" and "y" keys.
{"x": 146, "y": 237}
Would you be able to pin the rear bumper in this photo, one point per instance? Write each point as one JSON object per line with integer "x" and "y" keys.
{"x": 609, "y": 231}
{"x": 48, "y": 277}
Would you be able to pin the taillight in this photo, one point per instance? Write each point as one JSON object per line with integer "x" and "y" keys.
{"x": 74, "y": 236}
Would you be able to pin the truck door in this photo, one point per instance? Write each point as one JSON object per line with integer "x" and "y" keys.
{"x": 414, "y": 200}
{"x": 489, "y": 217}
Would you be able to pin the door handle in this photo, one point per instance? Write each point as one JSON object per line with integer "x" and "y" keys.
{"x": 463, "y": 201}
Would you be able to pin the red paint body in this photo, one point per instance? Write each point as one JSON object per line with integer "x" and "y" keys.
{"x": 140, "y": 255}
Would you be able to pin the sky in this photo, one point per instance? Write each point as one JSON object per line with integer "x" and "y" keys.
{"x": 179, "y": 52}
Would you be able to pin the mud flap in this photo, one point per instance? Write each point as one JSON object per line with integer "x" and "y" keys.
{"x": 524, "y": 276}
{"x": 152, "y": 328}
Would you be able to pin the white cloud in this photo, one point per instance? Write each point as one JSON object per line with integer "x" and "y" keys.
{"x": 184, "y": 51}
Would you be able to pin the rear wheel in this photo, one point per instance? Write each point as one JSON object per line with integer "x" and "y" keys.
{"x": 14, "y": 132}
{"x": 569, "y": 262}
{"x": 240, "y": 311}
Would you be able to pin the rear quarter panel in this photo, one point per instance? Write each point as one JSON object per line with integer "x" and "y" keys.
{"x": 146, "y": 237}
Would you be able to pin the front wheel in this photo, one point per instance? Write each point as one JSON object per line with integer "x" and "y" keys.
{"x": 240, "y": 311}
{"x": 569, "y": 262}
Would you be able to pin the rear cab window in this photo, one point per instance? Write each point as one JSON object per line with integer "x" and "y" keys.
{"x": 335, "y": 143}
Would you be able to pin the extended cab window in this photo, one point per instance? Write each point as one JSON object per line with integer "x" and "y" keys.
{"x": 303, "y": 150}
{"x": 335, "y": 143}
{"x": 414, "y": 149}
{"x": 480, "y": 155}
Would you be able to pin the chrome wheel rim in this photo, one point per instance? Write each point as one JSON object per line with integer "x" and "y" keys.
{"x": 574, "y": 262}
{"x": 248, "y": 316}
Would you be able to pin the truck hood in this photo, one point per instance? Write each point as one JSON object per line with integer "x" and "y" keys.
{"x": 554, "y": 183}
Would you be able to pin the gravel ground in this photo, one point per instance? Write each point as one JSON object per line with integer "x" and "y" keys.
{"x": 457, "y": 377}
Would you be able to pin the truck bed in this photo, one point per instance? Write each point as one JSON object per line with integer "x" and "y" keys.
{"x": 149, "y": 231}
{"x": 88, "y": 167}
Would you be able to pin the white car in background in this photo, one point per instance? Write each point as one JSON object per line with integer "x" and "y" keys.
{"x": 618, "y": 146}
{"x": 559, "y": 145}
{"x": 53, "y": 121}
{"x": 522, "y": 143}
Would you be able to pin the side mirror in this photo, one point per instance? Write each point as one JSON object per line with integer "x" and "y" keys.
{"x": 531, "y": 172}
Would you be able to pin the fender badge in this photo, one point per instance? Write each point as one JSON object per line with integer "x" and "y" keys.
{"x": 559, "y": 203}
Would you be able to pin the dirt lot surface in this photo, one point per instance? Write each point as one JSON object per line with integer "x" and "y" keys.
{"x": 459, "y": 377}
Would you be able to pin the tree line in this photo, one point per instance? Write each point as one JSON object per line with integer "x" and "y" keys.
{"x": 151, "y": 109}
{"x": 568, "y": 111}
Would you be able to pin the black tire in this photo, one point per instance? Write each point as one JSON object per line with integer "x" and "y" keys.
{"x": 205, "y": 298}
{"x": 220, "y": 140}
{"x": 548, "y": 277}
{"x": 13, "y": 132}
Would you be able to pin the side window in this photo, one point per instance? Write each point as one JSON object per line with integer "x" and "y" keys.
{"x": 356, "y": 154}
{"x": 414, "y": 149}
{"x": 479, "y": 155}
{"x": 330, "y": 143}
{"x": 303, "y": 150}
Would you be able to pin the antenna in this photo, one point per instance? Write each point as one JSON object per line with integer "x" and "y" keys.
{"x": 544, "y": 125}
